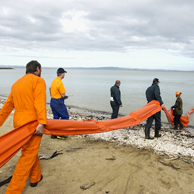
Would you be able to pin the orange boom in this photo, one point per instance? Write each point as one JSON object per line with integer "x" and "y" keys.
{"x": 10, "y": 145}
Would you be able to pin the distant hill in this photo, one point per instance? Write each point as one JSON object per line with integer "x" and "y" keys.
{"x": 105, "y": 68}
{"x": 6, "y": 68}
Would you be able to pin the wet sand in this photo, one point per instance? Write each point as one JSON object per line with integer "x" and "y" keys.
{"x": 110, "y": 168}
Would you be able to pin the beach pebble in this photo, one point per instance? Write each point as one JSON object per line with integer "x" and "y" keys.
{"x": 173, "y": 143}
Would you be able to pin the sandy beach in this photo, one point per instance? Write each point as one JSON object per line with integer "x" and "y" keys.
{"x": 118, "y": 162}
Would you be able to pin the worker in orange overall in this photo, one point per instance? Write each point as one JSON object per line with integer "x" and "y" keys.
{"x": 28, "y": 98}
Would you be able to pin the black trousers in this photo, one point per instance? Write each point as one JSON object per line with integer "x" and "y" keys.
{"x": 115, "y": 111}
{"x": 177, "y": 120}
{"x": 157, "y": 118}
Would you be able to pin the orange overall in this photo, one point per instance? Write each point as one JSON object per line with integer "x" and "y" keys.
{"x": 28, "y": 98}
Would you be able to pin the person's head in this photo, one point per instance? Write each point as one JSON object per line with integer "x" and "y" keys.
{"x": 156, "y": 81}
{"x": 61, "y": 73}
{"x": 34, "y": 67}
{"x": 117, "y": 82}
{"x": 178, "y": 94}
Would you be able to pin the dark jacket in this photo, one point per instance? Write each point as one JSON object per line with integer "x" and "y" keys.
{"x": 179, "y": 107}
{"x": 116, "y": 94}
{"x": 153, "y": 93}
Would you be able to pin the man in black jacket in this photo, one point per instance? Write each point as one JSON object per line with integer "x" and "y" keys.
{"x": 153, "y": 93}
{"x": 115, "y": 100}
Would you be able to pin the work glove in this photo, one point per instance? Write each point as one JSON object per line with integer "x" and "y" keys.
{"x": 173, "y": 107}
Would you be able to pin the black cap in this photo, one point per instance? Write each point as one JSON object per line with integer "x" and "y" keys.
{"x": 156, "y": 80}
{"x": 61, "y": 70}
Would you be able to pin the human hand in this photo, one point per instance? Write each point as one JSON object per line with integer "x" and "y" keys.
{"x": 39, "y": 130}
{"x": 65, "y": 97}
{"x": 121, "y": 105}
{"x": 173, "y": 107}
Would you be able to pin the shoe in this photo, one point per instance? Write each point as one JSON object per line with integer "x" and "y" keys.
{"x": 150, "y": 138}
{"x": 62, "y": 137}
{"x": 156, "y": 137}
{"x": 53, "y": 136}
{"x": 181, "y": 126}
{"x": 147, "y": 134}
{"x": 175, "y": 127}
{"x": 35, "y": 184}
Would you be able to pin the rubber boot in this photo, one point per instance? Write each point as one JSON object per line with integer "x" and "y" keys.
{"x": 157, "y": 135}
{"x": 147, "y": 134}
{"x": 181, "y": 126}
{"x": 175, "y": 127}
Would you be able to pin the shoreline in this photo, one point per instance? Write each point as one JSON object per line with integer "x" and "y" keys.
{"x": 119, "y": 161}
{"x": 173, "y": 143}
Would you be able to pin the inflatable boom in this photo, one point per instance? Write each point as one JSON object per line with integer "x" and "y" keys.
{"x": 11, "y": 142}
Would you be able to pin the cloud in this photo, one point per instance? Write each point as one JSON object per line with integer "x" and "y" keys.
{"x": 106, "y": 26}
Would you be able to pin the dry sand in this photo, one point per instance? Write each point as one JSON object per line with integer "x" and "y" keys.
{"x": 108, "y": 167}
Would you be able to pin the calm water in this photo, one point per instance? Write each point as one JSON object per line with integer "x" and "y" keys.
{"x": 90, "y": 89}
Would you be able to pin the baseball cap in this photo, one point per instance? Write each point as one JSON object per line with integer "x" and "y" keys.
{"x": 156, "y": 80}
{"x": 61, "y": 70}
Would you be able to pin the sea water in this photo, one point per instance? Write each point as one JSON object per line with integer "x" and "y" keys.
{"x": 90, "y": 88}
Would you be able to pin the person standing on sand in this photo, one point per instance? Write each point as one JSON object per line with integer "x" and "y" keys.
{"x": 178, "y": 111}
{"x": 57, "y": 92}
{"x": 28, "y": 97}
{"x": 153, "y": 93}
{"x": 115, "y": 99}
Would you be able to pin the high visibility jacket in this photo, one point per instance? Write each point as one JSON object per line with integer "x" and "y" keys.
{"x": 28, "y": 98}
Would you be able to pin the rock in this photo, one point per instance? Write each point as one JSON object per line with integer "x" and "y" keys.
{"x": 173, "y": 143}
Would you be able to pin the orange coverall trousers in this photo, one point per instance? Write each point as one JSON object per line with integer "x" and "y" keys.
{"x": 29, "y": 161}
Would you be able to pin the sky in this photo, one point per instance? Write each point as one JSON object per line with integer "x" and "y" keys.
{"x": 148, "y": 34}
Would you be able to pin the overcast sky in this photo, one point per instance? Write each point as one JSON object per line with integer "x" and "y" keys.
{"x": 150, "y": 34}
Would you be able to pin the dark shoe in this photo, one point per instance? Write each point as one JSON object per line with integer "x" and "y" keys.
{"x": 157, "y": 135}
{"x": 149, "y": 138}
{"x": 62, "y": 137}
{"x": 147, "y": 134}
{"x": 175, "y": 127}
{"x": 53, "y": 136}
{"x": 35, "y": 184}
{"x": 181, "y": 126}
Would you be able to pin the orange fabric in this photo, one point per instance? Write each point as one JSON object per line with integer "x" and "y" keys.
{"x": 29, "y": 161}
{"x": 57, "y": 88}
{"x": 28, "y": 97}
{"x": 12, "y": 141}
{"x": 170, "y": 116}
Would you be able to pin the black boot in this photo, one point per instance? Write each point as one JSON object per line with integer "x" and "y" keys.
{"x": 181, "y": 126}
{"x": 157, "y": 135}
{"x": 35, "y": 184}
{"x": 175, "y": 127}
{"x": 147, "y": 134}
